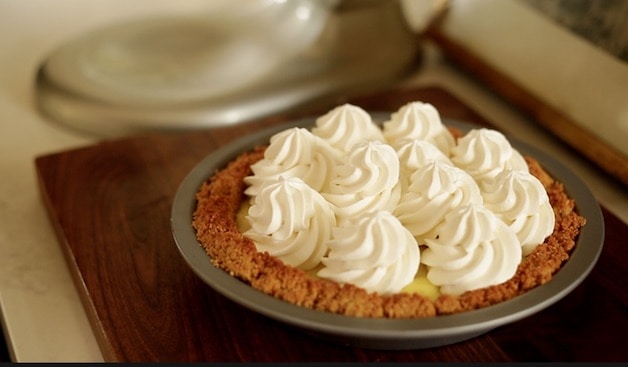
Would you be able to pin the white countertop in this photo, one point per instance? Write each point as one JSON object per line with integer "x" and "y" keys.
{"x": 42, "y": 317}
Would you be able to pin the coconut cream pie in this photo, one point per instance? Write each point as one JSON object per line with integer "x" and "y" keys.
{"x": 410, "y": 219}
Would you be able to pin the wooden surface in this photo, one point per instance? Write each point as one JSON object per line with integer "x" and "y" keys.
{"x": 110, "y": 205}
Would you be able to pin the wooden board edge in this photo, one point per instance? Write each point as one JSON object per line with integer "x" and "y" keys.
{"x": 105, "y": 346}
{"x": 590, "y": 146}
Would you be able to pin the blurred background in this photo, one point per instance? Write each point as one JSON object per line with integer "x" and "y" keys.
{"x": 207, "y": 64}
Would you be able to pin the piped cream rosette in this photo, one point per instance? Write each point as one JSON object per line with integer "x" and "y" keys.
{"x": 375, "y": 252}
{"x": 418, "y": 121}
{"x": 473, "y": 249}
{"x": 415, "y": 154}
{"x": 295, "y": 152}
{"x": 485, "y": 153}
{"x": 520, "y": 200}
{"x": 367, "y": 181}
{"x": 291, "y": 221}
{"x": 435, "y": 190}
{"x": 345, "y": 126}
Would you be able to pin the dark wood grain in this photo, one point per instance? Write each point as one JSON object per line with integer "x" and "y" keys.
{"x": 110, "y": 205}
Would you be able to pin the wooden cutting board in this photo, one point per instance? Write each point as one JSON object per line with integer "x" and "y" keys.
{"x": 110, "y": 205}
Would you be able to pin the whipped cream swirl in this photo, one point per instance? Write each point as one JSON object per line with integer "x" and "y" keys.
{"x": 375, "y": 252}
{"x": 367, "y": 181}
{"x": 414, "y": 154}
{"x": 295, "y": 152}
{"x": 418, "y": 120}
{"x": 520, "y": 200}
{"x": 474, "y": 249}
{"x": 436, "y": 189}
{"x": 484, "y": 153}
{"x": 345, "y": 126}
{"x": 291, "y": 221}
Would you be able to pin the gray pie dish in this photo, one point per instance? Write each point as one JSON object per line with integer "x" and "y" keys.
{"x": 378, "y": 333}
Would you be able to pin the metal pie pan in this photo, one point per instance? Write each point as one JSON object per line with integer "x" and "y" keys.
{"x": 376, "y": 333}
